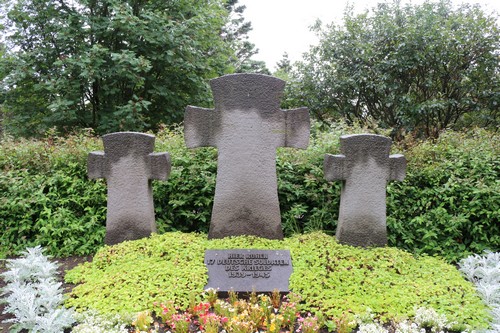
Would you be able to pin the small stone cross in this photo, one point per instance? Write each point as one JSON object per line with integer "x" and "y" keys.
{"x": 365, "y": 168}
{"x": 247, "y": 126}
{"x": 128, "y": 164}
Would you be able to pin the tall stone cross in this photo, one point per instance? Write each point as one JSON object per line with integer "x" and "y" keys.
{"x": 128, "y": 164}
{"x": 247, "y": 126}
{"x": 365, "y": 167}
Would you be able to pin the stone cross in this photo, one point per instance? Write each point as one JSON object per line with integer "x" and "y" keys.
{"x": 128, "y": 164}
{"x": 365, "y": 168}
{"x": 247, "y": 126}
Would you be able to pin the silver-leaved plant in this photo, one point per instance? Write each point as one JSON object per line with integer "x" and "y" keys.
{"x": 484, "y": 272}
{"x": 33, "y": 295}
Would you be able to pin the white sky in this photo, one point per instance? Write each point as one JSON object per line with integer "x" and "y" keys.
{"x": 283, "y": 25}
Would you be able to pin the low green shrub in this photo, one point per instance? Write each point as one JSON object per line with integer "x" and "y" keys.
{"x": 448, "y": 204}
{"x": 47, "y": 199}
{"x": 332, "y": 279}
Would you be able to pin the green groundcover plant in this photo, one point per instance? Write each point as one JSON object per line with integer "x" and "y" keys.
{"x": 333, "y": 280}
{"x": 448, "y": 205}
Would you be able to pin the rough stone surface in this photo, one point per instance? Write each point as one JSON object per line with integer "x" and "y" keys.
{"x": 128, "y": 164}
{"x": 365, "y": 168}
{"x": 247, "y": 125}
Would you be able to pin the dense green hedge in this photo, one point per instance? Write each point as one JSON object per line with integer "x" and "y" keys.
{"x": 447, "y": 205}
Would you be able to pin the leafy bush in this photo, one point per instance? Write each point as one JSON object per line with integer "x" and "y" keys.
{"x": 332, "y": 279}
{"x": 448, "y": 204}
{"x": 47, "y": 199}
{"x": 33, "y": 296}
{"x": 184, "y": 201}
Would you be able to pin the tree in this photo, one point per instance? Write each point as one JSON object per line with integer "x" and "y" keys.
{"x": 419, "y": 68}
{"x": 3, "y": 73}
{"x": 253, "y": 66}
{"x": 111, "y": 65}
{"x": 284, "y": 71}
{"x": 284, "y": 65}
{"x": 235, "y": 32}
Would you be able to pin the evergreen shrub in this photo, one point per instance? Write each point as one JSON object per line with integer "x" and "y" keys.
{"x": 448, "y": 204}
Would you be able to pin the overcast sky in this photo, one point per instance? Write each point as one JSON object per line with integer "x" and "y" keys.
{"x": 283, "y": 25}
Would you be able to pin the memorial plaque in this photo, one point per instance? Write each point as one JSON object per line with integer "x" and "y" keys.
{"x": 248, "y": 270}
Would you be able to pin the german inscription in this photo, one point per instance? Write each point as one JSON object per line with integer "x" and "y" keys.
{"x": 248, "y": 270}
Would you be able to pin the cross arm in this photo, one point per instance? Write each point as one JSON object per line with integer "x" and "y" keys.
{"x": 96, "y": 165}
{"x": 297, "y": 128}
{"x": 198, "y": 127}
{"x": 160, "y": 166}
{"x": 333, "y": 167}
{"x": 397, "y": 167}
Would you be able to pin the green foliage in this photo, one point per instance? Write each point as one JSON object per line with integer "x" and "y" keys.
{"x": 184, "y": 202}
{"x": 447, "y": 205}
{"x": 47, "y": 199}
{"x": 333, "y": 279}
{"x": 412, "y": 68}
{"x": 110, "y": 65}
{"x": 388, "y": 281}
{"x": 130, "y": 276}
{"x": 235, "y": 33}
{"x": 307, "y": 201}
{"x": 3, "y": 73}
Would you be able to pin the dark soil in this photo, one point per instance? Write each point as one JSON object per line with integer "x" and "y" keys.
{"x": 65, "y": 264}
